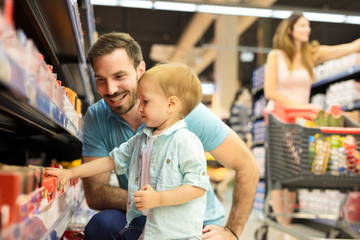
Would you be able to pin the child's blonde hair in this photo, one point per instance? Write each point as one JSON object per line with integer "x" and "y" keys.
{"x": 177, "y": 79}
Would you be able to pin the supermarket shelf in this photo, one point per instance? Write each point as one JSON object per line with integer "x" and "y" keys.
{"x": 257, "y": 92}
{"x": 258, "y": 143}
{"x": 56, "y": 31}
{"x": 350, "y": 230}
{"x": 51, "y": 220}
{"x": 87, "y": 22}
{"x": 256, "y": 118}
{"x": 321, "y": 86}
{"x": 28, "y": 106}
{"x": 351, "y": 106}
{"x": 64, "y": 207}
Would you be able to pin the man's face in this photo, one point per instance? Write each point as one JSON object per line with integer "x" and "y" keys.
{"x": 116, "y": 80}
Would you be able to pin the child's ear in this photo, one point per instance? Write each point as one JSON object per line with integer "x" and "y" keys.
{"x": 173, "y": 103}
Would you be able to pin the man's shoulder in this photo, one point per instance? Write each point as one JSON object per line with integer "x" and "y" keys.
{"x": 199, "y": 111}
{"x": 98, "y": 107}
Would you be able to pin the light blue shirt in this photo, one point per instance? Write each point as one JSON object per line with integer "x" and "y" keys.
{"x": 177, "y": 159}
{"x": 104, "y": 130}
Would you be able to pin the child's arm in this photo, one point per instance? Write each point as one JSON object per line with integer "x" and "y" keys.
{"x": 147, "y": 197}
{"x": 100, "y": 165}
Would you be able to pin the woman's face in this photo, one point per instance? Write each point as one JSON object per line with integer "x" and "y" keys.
{"x": 301, "y": 30}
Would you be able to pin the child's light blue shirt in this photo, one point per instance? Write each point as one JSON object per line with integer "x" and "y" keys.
{"x": 177, "y": 159}
{"x": 104, "y": 130}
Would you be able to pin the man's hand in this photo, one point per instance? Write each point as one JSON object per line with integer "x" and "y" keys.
{"x": 146, "y": 198}
{"x": 214, "y": 232}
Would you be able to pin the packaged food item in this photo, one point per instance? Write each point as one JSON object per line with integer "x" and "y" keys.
{"x": 337, "y": 156}
{"x": 304, "y": 122}
{"x": 322, "y": 151}
{"x": 352, "y": 159}
{"x": 333, "y": 118}
{"x": 312, "y": 150}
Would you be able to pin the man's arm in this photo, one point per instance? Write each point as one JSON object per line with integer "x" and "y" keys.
{"x": 100, "y": 195}
{"x": 233, "y": 153}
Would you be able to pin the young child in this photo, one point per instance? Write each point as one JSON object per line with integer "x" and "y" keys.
{"x": 165, "y": 161}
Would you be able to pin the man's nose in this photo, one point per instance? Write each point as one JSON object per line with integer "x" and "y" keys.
{"x": 111, "y": 87}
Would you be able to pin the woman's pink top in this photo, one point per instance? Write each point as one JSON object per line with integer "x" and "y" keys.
{"x": 295, "y": 84}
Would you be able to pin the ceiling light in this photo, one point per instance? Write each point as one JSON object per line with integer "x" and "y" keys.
{"x": 324, "y": 17}
{"x": 124, "y": 3}
{"x": 353, "y": 19}
{"x": 280, "y": 12}
{"x": 136, "y": 4}
{"x": 175, "y": 6}
{"x": 240, "y": 11}
{"x": 207, "y": 88}
{"x": 105, "y": 3}
{"x": 247, "y": 57}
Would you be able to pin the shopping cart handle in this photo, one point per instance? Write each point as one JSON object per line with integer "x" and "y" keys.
{"x": 340, "y": 130}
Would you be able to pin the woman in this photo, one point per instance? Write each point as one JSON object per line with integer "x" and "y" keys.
{"x": 288, "y": 78}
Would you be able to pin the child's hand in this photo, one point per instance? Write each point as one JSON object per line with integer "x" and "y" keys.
{"x": 63, "y": 175}
{"x": 146, "y": 198}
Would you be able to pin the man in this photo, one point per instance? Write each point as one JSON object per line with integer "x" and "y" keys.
{"x": 117, "y": 62}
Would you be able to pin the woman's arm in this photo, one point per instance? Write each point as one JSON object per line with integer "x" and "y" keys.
{"x": 89, "y": 169}
{"x": 147, "y": 197}
{"x": 326, "y": 53}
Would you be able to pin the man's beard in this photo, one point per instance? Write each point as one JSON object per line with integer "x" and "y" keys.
{"x": 125, "y": 108}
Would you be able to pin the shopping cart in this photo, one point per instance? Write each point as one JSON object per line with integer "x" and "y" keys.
{"x": 287, "y": 163}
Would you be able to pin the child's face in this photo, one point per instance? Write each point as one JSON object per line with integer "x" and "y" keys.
{"x": 153, "y": 104}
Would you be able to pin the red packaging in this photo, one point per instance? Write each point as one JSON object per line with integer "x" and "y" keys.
{"x": 10, "y": 190}
{"x": 49, "y": 184}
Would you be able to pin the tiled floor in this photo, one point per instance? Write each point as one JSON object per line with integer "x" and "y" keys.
{"x": 256, "y": 220}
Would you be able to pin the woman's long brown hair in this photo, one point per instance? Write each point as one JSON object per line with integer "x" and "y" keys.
{"x": 284, "y": 41}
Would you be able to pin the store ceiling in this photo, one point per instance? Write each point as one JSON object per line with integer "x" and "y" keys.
{"x": 159, "y": 32}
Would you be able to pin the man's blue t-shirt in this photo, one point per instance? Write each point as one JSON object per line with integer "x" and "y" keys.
{"x": 104, "y": 130}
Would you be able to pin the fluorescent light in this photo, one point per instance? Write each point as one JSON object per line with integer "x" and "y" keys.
{"x": 282, "y": 14}
{"x": 105, "y": 3}
{"x": 175, "y": 6}
{"x": 216, "y": 9}
{"x": 352, "y": 19}
{"x": 207, "y": 88}
{"x": 247, "y": 56}
{"x": 324, "y": 17}
{"x": 136, "y": 4}
{"x": 256, "y": 12}
{"x": 240, "y": 11}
